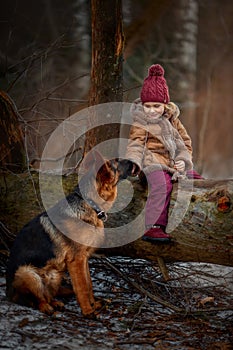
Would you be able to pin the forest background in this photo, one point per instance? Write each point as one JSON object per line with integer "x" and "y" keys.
{"x": 45, "y": 67}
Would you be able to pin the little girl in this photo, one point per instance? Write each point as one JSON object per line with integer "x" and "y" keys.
{"x": 160, "y": 146}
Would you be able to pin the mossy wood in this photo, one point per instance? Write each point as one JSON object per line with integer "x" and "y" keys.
{"x": 205, "y": 233}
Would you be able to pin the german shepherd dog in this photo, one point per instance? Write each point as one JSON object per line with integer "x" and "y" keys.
{"x": 42, "y": 252}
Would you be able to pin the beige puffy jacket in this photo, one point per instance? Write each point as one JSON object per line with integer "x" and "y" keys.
{"x": 157, "y": 145}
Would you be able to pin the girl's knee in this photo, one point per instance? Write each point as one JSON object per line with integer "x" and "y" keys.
{"x": 160, "y": 181}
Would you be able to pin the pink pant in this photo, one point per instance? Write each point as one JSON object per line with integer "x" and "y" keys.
{"x": 192, "y": 174}
{"x": 160, "y": 187}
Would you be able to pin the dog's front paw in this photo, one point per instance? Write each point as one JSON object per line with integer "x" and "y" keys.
{"x": 58, "y": 305}
{"x": 91, "y": 316}
{"x": 46, "y": 308}
{"x": 102, "y": 304}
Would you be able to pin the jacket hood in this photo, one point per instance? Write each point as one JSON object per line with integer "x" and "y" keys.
{"x": 172, "y": 112}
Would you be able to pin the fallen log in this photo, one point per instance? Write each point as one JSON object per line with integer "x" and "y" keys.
{"x": 200, "y": 218}
{"x": 200, "y": 223}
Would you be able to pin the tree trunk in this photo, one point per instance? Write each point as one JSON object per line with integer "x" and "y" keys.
{"x": 184, "y": 50}
{"x": 200, "y": 217}
{"x": 11, "y": 136}
{"x": 200, "y": 224}
{"x": 107, "y": 58}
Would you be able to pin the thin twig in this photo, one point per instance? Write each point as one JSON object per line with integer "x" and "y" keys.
{"x": 51, "y": 91}
{"x": 137, "y": 314}
{"x": 142, "y": 290}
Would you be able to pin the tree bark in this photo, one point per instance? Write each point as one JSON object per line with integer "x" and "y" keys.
{"x": 11, "y": 136}
{"x": 203, "y": 232}
{"x": 107, "y": 50}
{"x": 106, "y": 70}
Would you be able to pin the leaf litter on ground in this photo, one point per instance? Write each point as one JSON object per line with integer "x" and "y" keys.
{"x": 131, "y": 318}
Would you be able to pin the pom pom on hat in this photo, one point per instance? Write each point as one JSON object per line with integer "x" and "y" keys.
{"x": 156, "y": 69}
{"x": 155, "y": 87}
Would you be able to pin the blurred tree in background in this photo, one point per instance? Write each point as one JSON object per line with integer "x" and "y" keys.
{"x": 46, "y": 65}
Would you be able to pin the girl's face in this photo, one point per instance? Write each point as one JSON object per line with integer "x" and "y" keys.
{"x": 153, "y": 109}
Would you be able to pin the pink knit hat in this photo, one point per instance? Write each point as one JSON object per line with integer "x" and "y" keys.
{"x": 154, "y": 88}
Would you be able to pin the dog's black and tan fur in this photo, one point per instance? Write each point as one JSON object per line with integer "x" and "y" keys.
{"x": 42, "y": 253}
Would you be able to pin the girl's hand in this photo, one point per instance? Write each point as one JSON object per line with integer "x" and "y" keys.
{"x": 180, "y": 165}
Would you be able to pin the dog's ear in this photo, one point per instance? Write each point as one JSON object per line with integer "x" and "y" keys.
{"x": 108, "y": 172}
